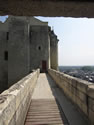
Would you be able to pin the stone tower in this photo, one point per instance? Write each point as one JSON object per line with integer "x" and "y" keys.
{"x": 53, "y": 50}
{"x": 26, "y": 44}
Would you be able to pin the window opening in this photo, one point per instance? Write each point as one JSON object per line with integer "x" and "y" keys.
{"x": 39, "y": 47}
{"x": 7, "y": 35}
{"x": 6, "y": 55}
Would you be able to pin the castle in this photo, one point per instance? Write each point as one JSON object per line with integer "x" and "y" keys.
{"x": 26, "y": 43}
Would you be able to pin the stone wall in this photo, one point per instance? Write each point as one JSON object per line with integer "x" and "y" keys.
{"x": 15, "y": 101}
{"x": 79, "y": 91}
{"x": 3, "y": 62}
{"x": 53, "y": 51}
{"x": 39, "y": 47}
{"x": 19, "y": 51}
{"x": 27, "y": 44}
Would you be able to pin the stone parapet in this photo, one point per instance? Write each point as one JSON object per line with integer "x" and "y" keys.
{"x": 15, "y": 101}
{"x": 79, "y": 91}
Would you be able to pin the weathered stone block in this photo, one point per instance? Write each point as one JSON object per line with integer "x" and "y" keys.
{"x": 74, "y": 82}
{"x": 82, "y": 85}
{"x": 91, "y": 116}
{"x": 91, "y": 104}
{"x": 82, "y": 96}
{"x": 14, "y": 102}
{"x": 7, "y": 109}
{"x": 90, "y": 91}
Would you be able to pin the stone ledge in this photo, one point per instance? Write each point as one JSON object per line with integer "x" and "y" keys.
{"x": 91, "y": 91}
{"x": 13, "y": 100}
{"x": 79, "y": 91}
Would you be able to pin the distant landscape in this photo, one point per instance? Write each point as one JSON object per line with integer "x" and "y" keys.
{"x": 82, "y": 72}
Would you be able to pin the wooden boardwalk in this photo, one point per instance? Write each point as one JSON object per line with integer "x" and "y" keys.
{"x": 44, "y": 108}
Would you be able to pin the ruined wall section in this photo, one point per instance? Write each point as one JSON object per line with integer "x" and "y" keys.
{"x": 18, "y": 46}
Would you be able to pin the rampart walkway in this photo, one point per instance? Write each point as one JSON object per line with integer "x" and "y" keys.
{"x": 49, "y": 106}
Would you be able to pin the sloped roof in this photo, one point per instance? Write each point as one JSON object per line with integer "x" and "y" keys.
{"x": 35, "y": 21}
{"x": 31, "y": 20}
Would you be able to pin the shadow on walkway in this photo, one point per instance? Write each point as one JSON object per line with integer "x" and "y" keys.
{"x": 67, "y": 109}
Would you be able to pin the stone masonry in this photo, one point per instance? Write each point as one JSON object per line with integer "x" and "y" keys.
{"x": 26, "y": 44}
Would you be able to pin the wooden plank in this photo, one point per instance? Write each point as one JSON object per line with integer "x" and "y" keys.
{"x": 44, "y": 109}
{"x": 29, "y": 123}
{"x": 41, "y": 113}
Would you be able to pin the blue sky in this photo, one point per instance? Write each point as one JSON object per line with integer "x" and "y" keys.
{"x": 76, "y": 39}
